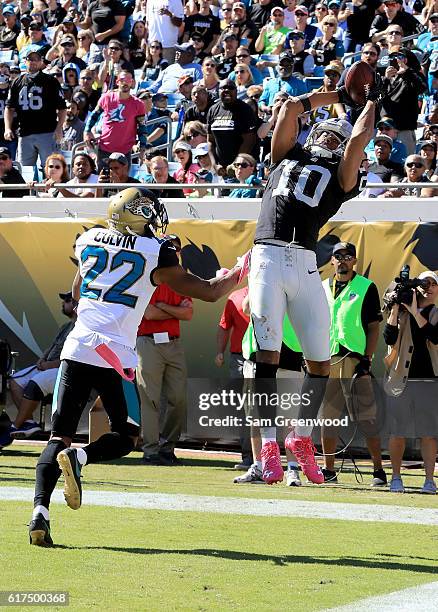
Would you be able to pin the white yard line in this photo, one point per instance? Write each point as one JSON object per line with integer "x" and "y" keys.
{"x": 241, "y": 505}
{"x": 422, "y": 598}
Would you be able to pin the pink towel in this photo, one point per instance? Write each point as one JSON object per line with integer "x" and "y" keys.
{"x": 110, "y": 357}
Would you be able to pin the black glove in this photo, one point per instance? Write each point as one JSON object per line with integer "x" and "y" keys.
{"x": 376, "y": 91}
{"x": 363, "y": 367}
{"x": 344, "y": 97}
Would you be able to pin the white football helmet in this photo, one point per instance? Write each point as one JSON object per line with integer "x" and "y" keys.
{"x": 338, "y": 127}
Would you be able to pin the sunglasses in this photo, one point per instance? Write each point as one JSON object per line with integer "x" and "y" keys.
{"x": 332, "y": 75}
{"x": 427, "y": 284}
{"x": 67, "y": 44}
{"x": 414, "y": 165}
{"x": 340, "y": 257}
{"x": 68, "y": 300}
{"x": 35, "y": 28}
{"x": 210, "y": 65}
{"x": 390, "y": 3}
{"x": 86, "y": 78}
{"x": 115, "y": 48}
{"x": 227, "y": 10}
{"x": 241, "y": 71}
{"x": 321, "y": 8}
{"x": 193, "y": 135}
{"x": 255, "y": 97}
{"x": 4, "y": 157}
{"x": 242, "y": 56}
{"x": 56, "y": 167}
{"x": 296, "y": 37}
{"x": 241, "y": 165}
{"x": 155, "y": 47}
{"x": 301, "y": 14}
{"x": 180, "y": 151}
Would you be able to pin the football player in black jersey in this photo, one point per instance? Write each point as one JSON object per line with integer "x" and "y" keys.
{"x": 306, "y": 186}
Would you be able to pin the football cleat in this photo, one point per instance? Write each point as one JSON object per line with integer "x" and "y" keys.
{"x": 71, "y": 470}
{"x": 304, "y": 451}
{"x": 39, "y": 532}
{"x": 272, "y": 470}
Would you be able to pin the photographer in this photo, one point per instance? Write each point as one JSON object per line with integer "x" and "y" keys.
{"x": 411, "y": 334}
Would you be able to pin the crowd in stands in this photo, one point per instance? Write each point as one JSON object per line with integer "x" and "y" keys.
{"x": 161, "y": 91}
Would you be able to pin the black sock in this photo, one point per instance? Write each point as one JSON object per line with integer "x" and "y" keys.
{"x": 109, "y": 446}
{"x": 47, "y": 473}
{"x": 265, "y": 388}
{"x": 313, "y": 390}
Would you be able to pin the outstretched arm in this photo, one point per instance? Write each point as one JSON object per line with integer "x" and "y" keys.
{"x": 354, "y": 152}
{"x": 188, "y": 284}
{"x": 286, "y": 131}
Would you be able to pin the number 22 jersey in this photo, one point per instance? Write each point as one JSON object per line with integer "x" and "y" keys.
{"x": 116, "y": 288}
{"x": 301, "y": 195}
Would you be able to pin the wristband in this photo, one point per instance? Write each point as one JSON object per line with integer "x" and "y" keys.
{"x": 304, "y": 99}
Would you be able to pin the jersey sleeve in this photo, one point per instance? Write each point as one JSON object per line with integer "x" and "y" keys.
{"x": 167, "y": 257}
{"x": 60, "y": 100}
{"x": 371, "y": 311}
{"x": 12, "y": 100}
{"x": 226, "y": 321}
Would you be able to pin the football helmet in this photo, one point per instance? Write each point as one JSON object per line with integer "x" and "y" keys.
{"x": 338, "y": 127}
{"x": 133, "y": 208}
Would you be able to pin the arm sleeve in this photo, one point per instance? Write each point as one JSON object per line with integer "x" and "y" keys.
{"x": 93, "y": 119}
{"x": 226, "y": 321}
{"x": 371, "y": 306}
{"x": 167, "y": 257}
{"x": 390, "y": 334}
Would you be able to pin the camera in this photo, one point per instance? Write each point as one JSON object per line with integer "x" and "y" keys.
{"x": 403, "y": 291}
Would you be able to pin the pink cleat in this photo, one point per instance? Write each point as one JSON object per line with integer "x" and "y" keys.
{"x": 272, "y": 470}
{"x": 304, "y": 451}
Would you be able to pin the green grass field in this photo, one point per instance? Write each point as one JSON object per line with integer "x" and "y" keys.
{"x": 120, "y": 559}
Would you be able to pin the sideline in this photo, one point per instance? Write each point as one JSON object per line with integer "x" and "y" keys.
{"x": 415, "y": 599}
{"x": 241, "y": 505}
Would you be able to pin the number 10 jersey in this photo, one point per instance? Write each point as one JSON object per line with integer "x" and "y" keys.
{"x": 301, "y": 195}
{"x": 115, "y": 290}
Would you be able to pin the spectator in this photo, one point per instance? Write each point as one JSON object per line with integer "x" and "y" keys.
{"x": 84, "y": 172}
{"x": 154, "y": 62}
{"x": 117, "y": 171}
{"x": 391, "y": 41}
{"x": 40, "y": 106}
{"x": 203, "y": 157}
{"x": 54, "y": 14}
{"x": 202, "y": 102}
{"x": 163, "y": 24}
{"x": 326, "y": 48}
{"x": 167, "y": 81}
{"x": 241, "y": 25}
{"x": 162, "y": 370}
{"x": 185, "y": 86}
{"x": 370, "y": 192}
{"x": 226, "y": 60}
{"x": 394, "y": 14}
{"x": 321, "y": 11}
{"x": 301, "y": 16}
{"x": 87, "y": 49}
{"x": 231, "y": 329}
{"x": 155, "y": 134}
{"x": 137, "y": 44}
{"x": 358, "y": 16}
{"x": 428, "y": 151}
{"x": 210, "y": 79}
{"x": 24, "y": 36}
{"x": 65, "y": 53}
{"x": 31, "y": 385}
{"x": 284, "y": 82}
{"x": 231, "y": 126}
{"x": 386, "y": 126}
{"x": 55, "y": 171}
{"x": 123, "y": 119}
{"x": 272, "y": 35}
{"x": 243, "y": 80}
{"x": 10, "y": 176}
{"x": 113, "y": 64}
{"x": 304, "y": 63}
{"x": 5, "y": 83}
{"x": 334, "y": 7}
{"x": 386, "y": 169}
{"x": 198, "y": 43}
{"x": 425, "y": 39}
{"x": 106, "y": 18}
{"x": 355, "y": 318}
{"x": 332, "y": 74}
{"x": 260, "y": 12}
{"x": 415, "y": 168}
{"x": 182, "y": 153}
{"x": 70, "y": 77}
{"x": 243, "y": 57}
{"x": 404, "y": 84}
{"x": 289, "y": 14}
{"x": 67, "y": 27}
{"x": 195, "y": 133}
{"x": 10, "y": 30}
{"x": 204, "y": 24}
{"x": 73, "y": 127}
{"x": 37, "y": 41}
{"x": 85, "y": 96}
{"x": 411, "y": 334}
{"x": 159, "y": 173}
{"x": 245, "y": 168}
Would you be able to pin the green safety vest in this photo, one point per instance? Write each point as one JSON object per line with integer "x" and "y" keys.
{"x": 346, "y": 315}
{"x": 290, "y": 339}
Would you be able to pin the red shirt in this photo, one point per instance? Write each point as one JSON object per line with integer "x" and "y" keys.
{"x": 163, "y": 293}
{"x": 119, "y": 125}
{"x": 234, "y": 318}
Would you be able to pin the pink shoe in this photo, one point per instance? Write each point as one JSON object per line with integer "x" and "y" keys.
{"x": 272, "y": 470}
{"x": 304, "y": 451}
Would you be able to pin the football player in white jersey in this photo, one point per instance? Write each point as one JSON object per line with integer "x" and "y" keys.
{"x": 118, "y": 270}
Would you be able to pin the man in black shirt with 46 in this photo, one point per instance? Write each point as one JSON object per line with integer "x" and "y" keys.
{"x": 306, "y": 186}
{"x": 38, "y": 100}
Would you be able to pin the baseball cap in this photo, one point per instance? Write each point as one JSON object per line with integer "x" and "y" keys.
{"x": 186, "y": 48}
{"x": 36, "y": 25}
{"x": 205, "y": 175}
{"x": 334, "y": 3}
{"x": 144, "y": 94}
{"x": 4, "y": 151}
{"x": 384, "y": 138}
{"x": 8, "y": 9}
{"x": 26, "y": 17}
{"x": 433, "y": 16}
{"x": 426, "y": 143}
{"x": 239, "y": 5}
{"x": 428, "y": 274}
{"x": 285, "y": 55}
{"x": 185, "y": 78}
{"x": 65, "y": 39}
{"x": 333, "y": 67}
{"x": 345, "y": 246}
{"x": 296, "y": 33}
{"x": 158, "y": 96}
{"x": 277, "y": 8}
{"x": 34, "y": 49}
{"x": 201, "y": 149}
{"x": 119, "y": 157}
{"x": 66, "y": 296}
{"x": 302, "y": 9}
{"x": 177, "y": 146}
{"x": 68, "y": 19}
{"x": 386, "y": 121}
{"x": 229, "y": 35}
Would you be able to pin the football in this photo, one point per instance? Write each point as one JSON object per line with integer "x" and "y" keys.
{"x": 358, "y": 80}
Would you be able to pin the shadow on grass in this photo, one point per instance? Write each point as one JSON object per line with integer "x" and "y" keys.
{"x": 280, "y": 560}
{"x": 135, "y": 460}
{"x": 16, "y": 453}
